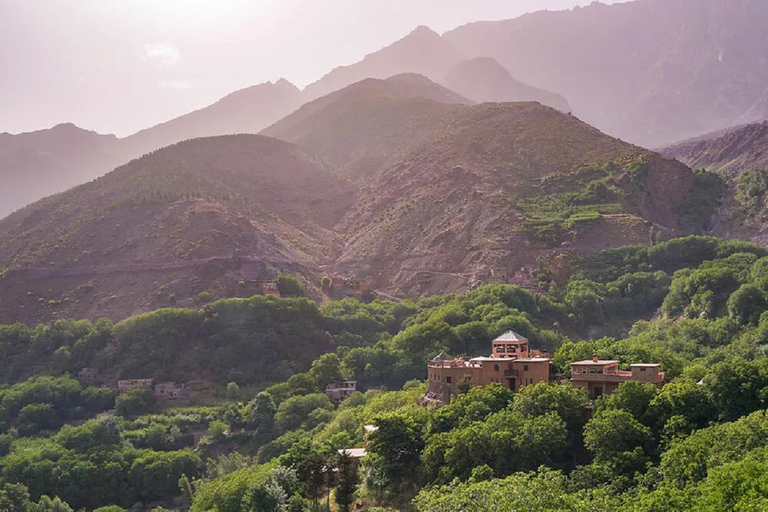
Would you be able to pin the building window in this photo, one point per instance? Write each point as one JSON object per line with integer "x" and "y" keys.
{"x": 642, "y": 369}
{"x": 448, "y": 380}
{"x": 525, "y": 367}
{"x": 495, "y": 367}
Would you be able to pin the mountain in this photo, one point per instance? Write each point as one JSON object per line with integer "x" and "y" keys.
{"x": 483, "y": 79}
{"x": 248, "y": 110}
{"x": 34, "y": 165}
{"x": 398, "y": 181}
{"x": 732, "y": 151}
{"x": 366, "y": 125}
{"x": 212, "y": 214}
{"x": 422, "y": 51}
{"x": 499, "y": 186}
{"x": 650, "y": 71}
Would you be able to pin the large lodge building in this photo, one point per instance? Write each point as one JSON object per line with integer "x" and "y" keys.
{"x": 514, "y": 365}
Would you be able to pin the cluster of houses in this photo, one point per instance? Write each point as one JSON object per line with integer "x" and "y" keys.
{"x": 514, "y": 365}
{"x": 164, "y": 391}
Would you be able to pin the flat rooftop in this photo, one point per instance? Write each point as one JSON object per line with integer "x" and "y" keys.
{"x": 355, "y": 453}
{"x": 590, "y": 362}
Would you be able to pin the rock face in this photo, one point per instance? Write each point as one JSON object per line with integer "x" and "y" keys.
{"x": 729, "y": 152}
{"x": 651, "y": 71}
{"x": 483, "y": 79}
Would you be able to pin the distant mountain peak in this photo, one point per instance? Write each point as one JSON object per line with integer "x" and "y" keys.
{"x": 484, "y": 79}
{"x": 422, "y": 31}
{"x": 422, "y": 51}
{"x": 282, "y": 82}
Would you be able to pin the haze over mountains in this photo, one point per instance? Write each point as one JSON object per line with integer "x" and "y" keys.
{"x": 467, "y": 194}
{"x": 652, "y": 71}
{"x": 436, "y": 163}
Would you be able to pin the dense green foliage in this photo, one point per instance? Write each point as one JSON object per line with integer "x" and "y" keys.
{"x": 698, "y": 443}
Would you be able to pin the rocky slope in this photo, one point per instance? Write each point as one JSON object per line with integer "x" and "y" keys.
{"x": 730, "y": 152}
{"x": 411, "y": 187}
{"x": 212, "y": 214}
{"x": 650, "y": 71}
{"x": 499, "y": 186}
{"x": 483, "y": 79}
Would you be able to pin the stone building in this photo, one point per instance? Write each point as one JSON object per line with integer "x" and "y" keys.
{"x": 125, "y": 385}
{"x": 602, "y": 377}
{"x": 170, "y": 391}
{"x": 511, "y": 364}
{"x": 339, "y": 391}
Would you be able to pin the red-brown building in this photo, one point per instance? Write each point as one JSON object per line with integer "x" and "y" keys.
{"x": 602, "y": 377}
{"x": 270, "y": 289}
{"x": 125, "y": 385}
{"x": 510, "y": 365}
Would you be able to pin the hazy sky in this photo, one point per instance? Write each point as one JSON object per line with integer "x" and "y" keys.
{"x": 116, "y": 66}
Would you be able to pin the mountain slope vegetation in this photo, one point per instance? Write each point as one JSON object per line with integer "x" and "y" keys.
{"x": 200, "y": 215}
{"x": 502, "y": 184}
{"x": 399, "y": 181}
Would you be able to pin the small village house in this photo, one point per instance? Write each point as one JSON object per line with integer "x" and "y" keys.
{"x": 510, "y": 364}
{"x": 270, "y": 288}
{"x": 602, "y": 377}
{"x": 170, "y": 391}
{"x": 339, "y": 391}
{"x": 88, "y": 375}
{"x": 125, "y": 385}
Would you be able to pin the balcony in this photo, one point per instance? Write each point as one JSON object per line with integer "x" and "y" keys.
{"x": 619, "y": 376}
{"x": 456, "y": 363}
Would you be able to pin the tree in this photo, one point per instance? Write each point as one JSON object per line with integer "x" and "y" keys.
{"x": 14, "y": 498}
{"x": 325, "y": 370}
{"x": 393, "y": 453}
{"x": 313, "y": 468}
{"x": 296, "y": 410}
{"x": 617, "y": 438}
{"x": 262, "y": 412}
{"x": 135, "y": 401}
{"x": 348, "y": 478}
{"x": 746, "y": 304}
{"x": 631, "y": 396}
{"x": 289, "y": 286}
{"x": 47, "y": 504}
{"x": 217, "y": 429}
{"x": 569, "y": 403}
{"x": 36, "y": 417}
{"x": 233, "y": 390}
